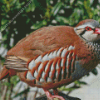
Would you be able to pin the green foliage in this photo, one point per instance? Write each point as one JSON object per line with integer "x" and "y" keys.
{"x": 12, "y": 81}
{"x": 94, "y": 71}
{"x": 77, "y": 84}
{"x": 19, "y": 18}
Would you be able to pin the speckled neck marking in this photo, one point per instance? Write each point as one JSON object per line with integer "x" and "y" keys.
{"x": 95, "y": 47}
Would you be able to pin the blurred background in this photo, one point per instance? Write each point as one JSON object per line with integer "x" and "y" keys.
{"x": 21, "y": 17}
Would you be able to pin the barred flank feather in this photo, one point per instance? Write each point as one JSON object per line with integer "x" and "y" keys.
{"x": 16, "y": 62}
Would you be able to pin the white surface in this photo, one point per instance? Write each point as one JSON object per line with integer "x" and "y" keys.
{"x": 90, "y": 91}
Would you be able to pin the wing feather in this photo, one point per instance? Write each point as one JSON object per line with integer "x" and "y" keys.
{"x": 22, "y": 64}
{"x": 65, "y": 61}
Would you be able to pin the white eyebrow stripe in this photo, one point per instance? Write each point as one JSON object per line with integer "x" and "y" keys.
{"x": 83, "y": 26}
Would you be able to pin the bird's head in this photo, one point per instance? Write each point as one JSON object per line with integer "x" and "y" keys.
{"x": 88, "y": 30}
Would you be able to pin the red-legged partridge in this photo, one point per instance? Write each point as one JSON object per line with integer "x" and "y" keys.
{"x": 54, "y": 56}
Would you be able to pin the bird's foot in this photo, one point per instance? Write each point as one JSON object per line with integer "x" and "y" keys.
{"x": 51, "y": 97}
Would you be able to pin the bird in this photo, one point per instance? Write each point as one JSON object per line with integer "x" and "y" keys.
{"x": 53, "y": 56}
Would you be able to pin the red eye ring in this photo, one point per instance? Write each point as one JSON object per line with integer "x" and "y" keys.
{"x": 88, "y": 28}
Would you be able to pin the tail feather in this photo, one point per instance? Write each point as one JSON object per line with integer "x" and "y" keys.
{"x": 16, "y": 63}
{"x": 13, "y": 64}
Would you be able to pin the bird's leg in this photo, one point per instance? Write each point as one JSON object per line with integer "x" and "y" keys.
{"x": 50, "y": 96}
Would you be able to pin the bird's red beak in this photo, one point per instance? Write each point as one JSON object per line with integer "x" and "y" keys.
{"x": 97, "y": 31}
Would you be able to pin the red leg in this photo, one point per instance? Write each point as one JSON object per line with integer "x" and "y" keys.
{"x": 53, "y": 96}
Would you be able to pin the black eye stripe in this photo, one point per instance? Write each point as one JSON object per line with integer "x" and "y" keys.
{"x": 89, "y": 28}
{"x": 82, "y": 32}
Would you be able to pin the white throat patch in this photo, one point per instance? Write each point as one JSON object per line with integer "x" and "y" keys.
{"x": 89, "y": 36}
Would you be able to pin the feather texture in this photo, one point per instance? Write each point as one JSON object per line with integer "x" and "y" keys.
{"x": 53, "y": 69}
{"x": 17, "y": 63}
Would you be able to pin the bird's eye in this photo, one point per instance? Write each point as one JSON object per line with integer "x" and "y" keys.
{"x": 88, "y": 28}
